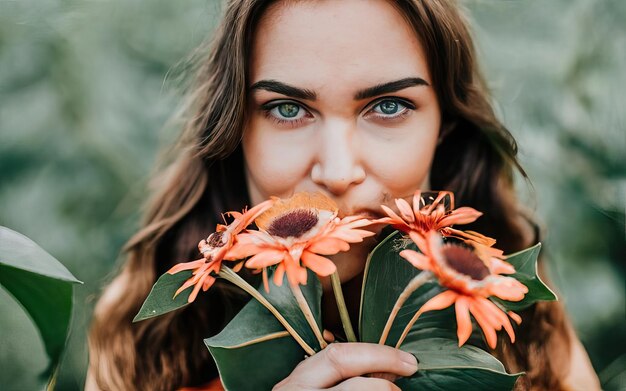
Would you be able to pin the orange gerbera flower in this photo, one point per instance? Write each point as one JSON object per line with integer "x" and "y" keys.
{"x": 434, "y": 211}
{"x": 215, "y": 249}
{"x": 295, "y": 234}
{"x": 470, "y": 282}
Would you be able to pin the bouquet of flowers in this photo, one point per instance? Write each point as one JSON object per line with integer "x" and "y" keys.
{"x": 426, "y": 287}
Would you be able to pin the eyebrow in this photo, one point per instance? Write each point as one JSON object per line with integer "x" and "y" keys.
{"x": 303, "y": 93}
{"x": 284, "y": 89}
{"x": 391, "y": 86}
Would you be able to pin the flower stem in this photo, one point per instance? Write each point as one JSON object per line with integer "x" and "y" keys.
{"x": 229, "y": 275}
{"x": 341, "y": 306}
{"x": 408, "y": 328}
{"x": 306, "y": 310}
{"x": 411, "y": 287}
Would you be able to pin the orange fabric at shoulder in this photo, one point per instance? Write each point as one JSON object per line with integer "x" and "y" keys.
{"x": 214, "y": 385}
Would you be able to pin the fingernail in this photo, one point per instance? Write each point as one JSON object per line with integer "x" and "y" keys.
{"x": 328, "y": 336}
{"x": 410, "y": 361}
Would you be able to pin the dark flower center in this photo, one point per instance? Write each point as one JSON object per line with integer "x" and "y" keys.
{"x": 463, "y": 260}
{"x": 215, "y": 239}
{"x": 294, "y": 223}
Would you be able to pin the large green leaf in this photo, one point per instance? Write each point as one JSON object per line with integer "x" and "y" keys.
{"x": 433, "y": 340}
{"x": 386, "y": 276}
{"x": 20, "y": 252}
{"x": 42, "y": 285}
{"x": 283, "y": 299}
{"x": 254, "y": 352}
{"x": 525, "y": 263}
{"x": 161, "y": 299}
{"x": 254, "y": 345}
{"x": 445, "y": 366}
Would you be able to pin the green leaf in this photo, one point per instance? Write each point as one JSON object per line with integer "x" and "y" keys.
{"x": 282, "y": 298}
{"x": 254, "y": 345}
{"x": 445, "y": 366}
{"x": 432, "y": 339}
{"x": 42, "y": 285}
{"x": 20, "y": 252}
{"x": 525, "y": 263}
{"x": 386, "y": 275}
{"x": 161, "y": 299}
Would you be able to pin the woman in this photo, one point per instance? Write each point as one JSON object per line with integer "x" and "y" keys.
{"x": 365, "y": 101}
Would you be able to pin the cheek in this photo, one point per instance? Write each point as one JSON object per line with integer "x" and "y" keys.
{"x": 402, "y": 164}
{"x": 276, "y": 161}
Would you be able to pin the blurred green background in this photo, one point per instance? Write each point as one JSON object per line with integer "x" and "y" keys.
{"x": 87, "y": 88}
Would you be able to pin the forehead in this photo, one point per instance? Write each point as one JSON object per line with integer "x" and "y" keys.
{"x": 313, "y": 43}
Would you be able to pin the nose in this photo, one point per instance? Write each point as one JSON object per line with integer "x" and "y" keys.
{"x": 338, "y": 165}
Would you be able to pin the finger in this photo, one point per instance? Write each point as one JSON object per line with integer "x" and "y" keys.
{"x": 328, "y": 336}
{"x": 340, "y": 361}
{"x": 384, "y": 375}
{"x": 364, "y": 383}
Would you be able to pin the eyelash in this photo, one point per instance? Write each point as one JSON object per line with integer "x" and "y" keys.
{"x": 268, "y": 107}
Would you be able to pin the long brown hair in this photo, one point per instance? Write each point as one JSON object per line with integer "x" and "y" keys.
{"x": 475, "y": 158}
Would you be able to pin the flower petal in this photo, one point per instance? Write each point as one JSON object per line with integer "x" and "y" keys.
{"x": 355, "y": 222}
{"x": 478, "y": 306}
{"x": 208, "y": 283}
{"x": 265, "y": 259}
{"x": 498, "y": 266}
{"x": 294, "y": 271}
{"x": 266, "y": 283}
{"x": 496, "y": 312}
{"x": 238, "y": 266}
{"x": 420, "y": 241}
{"x": 322, "y": 266}
{"x": 384, "y": 220}
{"x": 328, "y": 246}
{"x": 485, "y": 325}
{"x": 443, "y": 300}
{"x": 435, "y": 204}
{"x": 405, "y": 210}
{"x": 186, "y": 266}
{"x": 396, "y": 220}
{"x": 191, "y": 281}
{"x": 506, "y": 288}
{"x": 279, "y": 273}
{"x": 416, "y": 202}
{"x": 196, "y": 288}
{"x": 243, "y": 250}
{"x": 460, "y": 216}
{"x": 515, "y": 317}
{"x": 463, "y": 321}
{"x": 351, "y": 235}
{"x": 416, "y": 259}
{"x": 255, "y": 212}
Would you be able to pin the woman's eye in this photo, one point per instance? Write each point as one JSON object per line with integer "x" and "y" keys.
{"x": 286, "y": 114}
{"x": 390, "y": 108}
{"x": 287, "y": 111}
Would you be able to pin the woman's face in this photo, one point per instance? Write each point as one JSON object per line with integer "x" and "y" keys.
{"x": 340, "y": 101}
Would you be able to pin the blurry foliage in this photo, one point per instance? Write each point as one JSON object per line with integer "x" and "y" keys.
{"x": 85, "y": 92}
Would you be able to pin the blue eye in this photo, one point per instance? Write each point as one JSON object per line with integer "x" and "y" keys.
{"x": 390, "y": 107}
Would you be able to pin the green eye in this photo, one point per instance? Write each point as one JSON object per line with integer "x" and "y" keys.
{"x": 288, "y": 110}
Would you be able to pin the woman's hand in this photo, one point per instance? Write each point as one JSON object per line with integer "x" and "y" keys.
{"x": 341, "y": 366}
